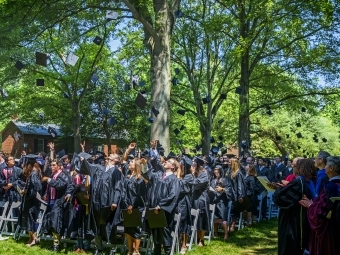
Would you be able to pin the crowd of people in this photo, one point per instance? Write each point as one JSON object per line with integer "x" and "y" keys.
{"x": 86, "y": 195}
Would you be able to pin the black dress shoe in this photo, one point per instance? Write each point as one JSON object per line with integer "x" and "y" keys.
{"x": 112, "y": 251}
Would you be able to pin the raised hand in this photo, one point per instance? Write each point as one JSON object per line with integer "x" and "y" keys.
{"x": 82, "y": 145}
{"x": 51, "y": 145}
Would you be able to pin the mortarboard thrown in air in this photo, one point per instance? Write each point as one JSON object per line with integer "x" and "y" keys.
{"x": 214, "y": 150}
{"x": 155, "y": 111}
{"x": 177, "y": 71}
{"x": 324, "y": 140}
{"x": 127, "y": 87}
{"x": 141, "y": 83}
{"x": 174, "y": 81}
{"x": 199, "y": 161}
{"x": 135, "y": 81}
{"x": 52, "y": 131}
{"x": 111, "y": 121}
{"x": 61, "y": 153}
{"x": 41, "y": 59}
{"x": 298, "y": 124}
{"x": 65, "y": 95}
{"x": 181, "y": 112}
{"x": 4, "y": 93}
{"x": 151, "y": 120}
{"x": 182, "y": 127}
{"x": 84, "y": 155}
{"x": 299, "y": 135}
{"x": 269, "y": 112}
{"x": 220, "y": 145}
{"x": 111, "y": 15}
{"x": 206, "y": 99}
{"x": 40, "y": 82}
{"x": 105, "y": 111}
{"x": 94, "y": 78}
{"x": 278, "y": 138}
{"x": 72, "y": 59}
{"x": 223, "y": 96}
{"x": 287, "y": 136}
{"x": 171, "y": 155}
{"x": 141, "y": 100}
{"x": 303, "y": 109}
{"x": 19, "y": 65}
{"x": 178, "y": 14}
{"x": 212, "y": 139}
{"x": 97, "y": 40}
{"x": 41, "y": 116}
{"x": 220, "y": 137}
{"x": 221, "y": 121}
{"x": 238, "y": 90}
{"x": 176, "y": 131}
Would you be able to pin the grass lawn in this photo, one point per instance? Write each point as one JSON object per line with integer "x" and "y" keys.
{"x": 259, "y": 239}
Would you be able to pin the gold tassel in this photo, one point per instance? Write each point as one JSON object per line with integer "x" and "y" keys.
{"x": 329, "y": 214}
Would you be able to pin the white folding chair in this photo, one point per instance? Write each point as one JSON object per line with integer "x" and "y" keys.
{"x": 259, "y": 207}
{"x": 193, "y": 236}
{"x": 9, "y": 218}
{"x": 272, "y": 209}
{"x": 2, "y": 217}
{"x": 174, "y": 234}
{"x": 230, "y": 205}
{"x": 212, "y": 215}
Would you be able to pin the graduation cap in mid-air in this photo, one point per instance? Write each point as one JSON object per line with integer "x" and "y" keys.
{"x": 299, "y": 135}
{"x": 71, "y": 59}
{"x": 176, "y": 131}
{"x": 298, "y": 124}
{"x": 181, "y": 112}
{"x": 105, "y": 111}
{"x": 4, "y": 93}
{"x": 111, "y": 15}
{"x": 94, "y": 78}
{"x": 141, "y": 100}
{"x": 206, "y": 99}
{"x": 223, "y": 96}
{"x": 177, "y": 71}
{"x": 199, "y": 161}
{"x": 65, "y": 95}
{"x": 41, "y": 59}
{"x": 174, "y": 81}
{"x": 40, "y": 82}
{"x": 151, "y": 120}
{"x": 178, "y": 14}
{"x": 52, "y": 131}
{"x": 111, "y": 121}
{"x": 41, "y": 116}
{"x": 221, "y": 121}
{"x": 61, "y": 153}
{"x": 97, "y": 40}
{"x": 238, "y": 90}
{"x": 155, "y": 111}
{"x": 19, "y": 65}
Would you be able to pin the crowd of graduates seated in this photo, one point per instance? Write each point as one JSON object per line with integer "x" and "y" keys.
{"x": 86, "y": 194}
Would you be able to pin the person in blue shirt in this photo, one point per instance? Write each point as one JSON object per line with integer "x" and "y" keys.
{"x": 320, "y": 162}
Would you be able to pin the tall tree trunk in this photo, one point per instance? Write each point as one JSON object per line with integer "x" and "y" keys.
{"x": 76, "y": 126}
{"x": 160, "y": 73}
{"x": 205, "y": 130}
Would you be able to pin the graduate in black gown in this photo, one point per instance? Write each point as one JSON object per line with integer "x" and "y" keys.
{"x": 106, "y": 193}
{"x": 199, "y": 180}
{"x": 236, "y": 187}
{"x": 30, "y": 204}
{"x": 135, "y": 197}
{"x": 219, "y": 198}
{"x": 184, "y": 201}
{"x": 163, "y": 195}
{"x": 58, "y": 186}
{"x": 293, "y": 226}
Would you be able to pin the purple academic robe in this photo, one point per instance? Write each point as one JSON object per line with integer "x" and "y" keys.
{"x": 325, "y": 233}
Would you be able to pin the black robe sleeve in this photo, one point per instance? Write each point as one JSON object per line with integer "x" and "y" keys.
{"x": 169, "y": 202}
{"x": 60, "y": 183}
{"x": 34, "y": 186}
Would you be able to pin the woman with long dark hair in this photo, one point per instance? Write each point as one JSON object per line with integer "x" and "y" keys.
{"x": 30, "y": 204}
{"x": 219, "y": 198}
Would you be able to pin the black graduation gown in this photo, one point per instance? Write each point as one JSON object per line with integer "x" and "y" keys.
{"x": 135, "y": 195}
{"x": 30, "y": 204}
{"x": 12, "y": 194}
{"x": 219, "y": 198}
{"x": 56, "y": 221}
{"x": 274, "y": 174}
{"x": 106, "y": 189}
{"x": 236, "y": 188}
{"x": 200, "y": 198}
{"x": 254, "y": 188}
{"x": 293, "y": 221}
{"x": 184, "y": 206}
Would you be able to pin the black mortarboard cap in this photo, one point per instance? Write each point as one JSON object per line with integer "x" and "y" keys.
{"x": 269, "y": 112}
{"x": 94, "y": 78}
{"x": 238, "y": 90}
{"x": 199, "y": 161}
{"x": 155, "y": 111}
{"x": 182, "y": 127}
{"x": 220, "y": 145}
{"x": 41, "y": 59}
{"x": 181, "y": 112}
{"x": 220, "y": 137}
{"x": 140, "y": 101}
{"x": 151, "y": 120}
{"x": 19, "y": 65}
{"x": 65, "y": 95}
{"x": 30, "y": 158}
{"x": 315, "y": 135}
{"x": 84, "y": 155}
{"x": 299, "y": 147}
{"x": 177, "y": 71}
{"x": 141, "y": 83}
{"x": 316, "y": 140}
{"x": 4, "y": 93}
{"x": 52, "y": 131}
{"x": 105, "y": 111}
{"x": 298, "y": 124}
{"x": 174, "y": 81}
{"x": 145, "y": 153}
{"x": 178, "y": 14}
{"x": 187, "y": 160}
{"x": 223, "y": 96}
{"x": 61, "y": 153}
{"x": 41, "y": 116}
{"x": 206, "y": 99}
{"x": 176, "y": 131}
{"x": 287, "y": 135}
{"x": 214, "y": 149}
{"x": 212, "y": 139}
{"x": 324, "y": 140}
{"x": 111, "y": 121}
{"x": 303, "y": 109}
{"x": 299, "y": 135}
{"x": 171, "y": 155}
{"x": 127, "y": 87}
{"x": 278, "y": 138}
{"x": 97, "y": 40}
{"x": 221, "y": 121}
{"x": 40, "y": 82}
